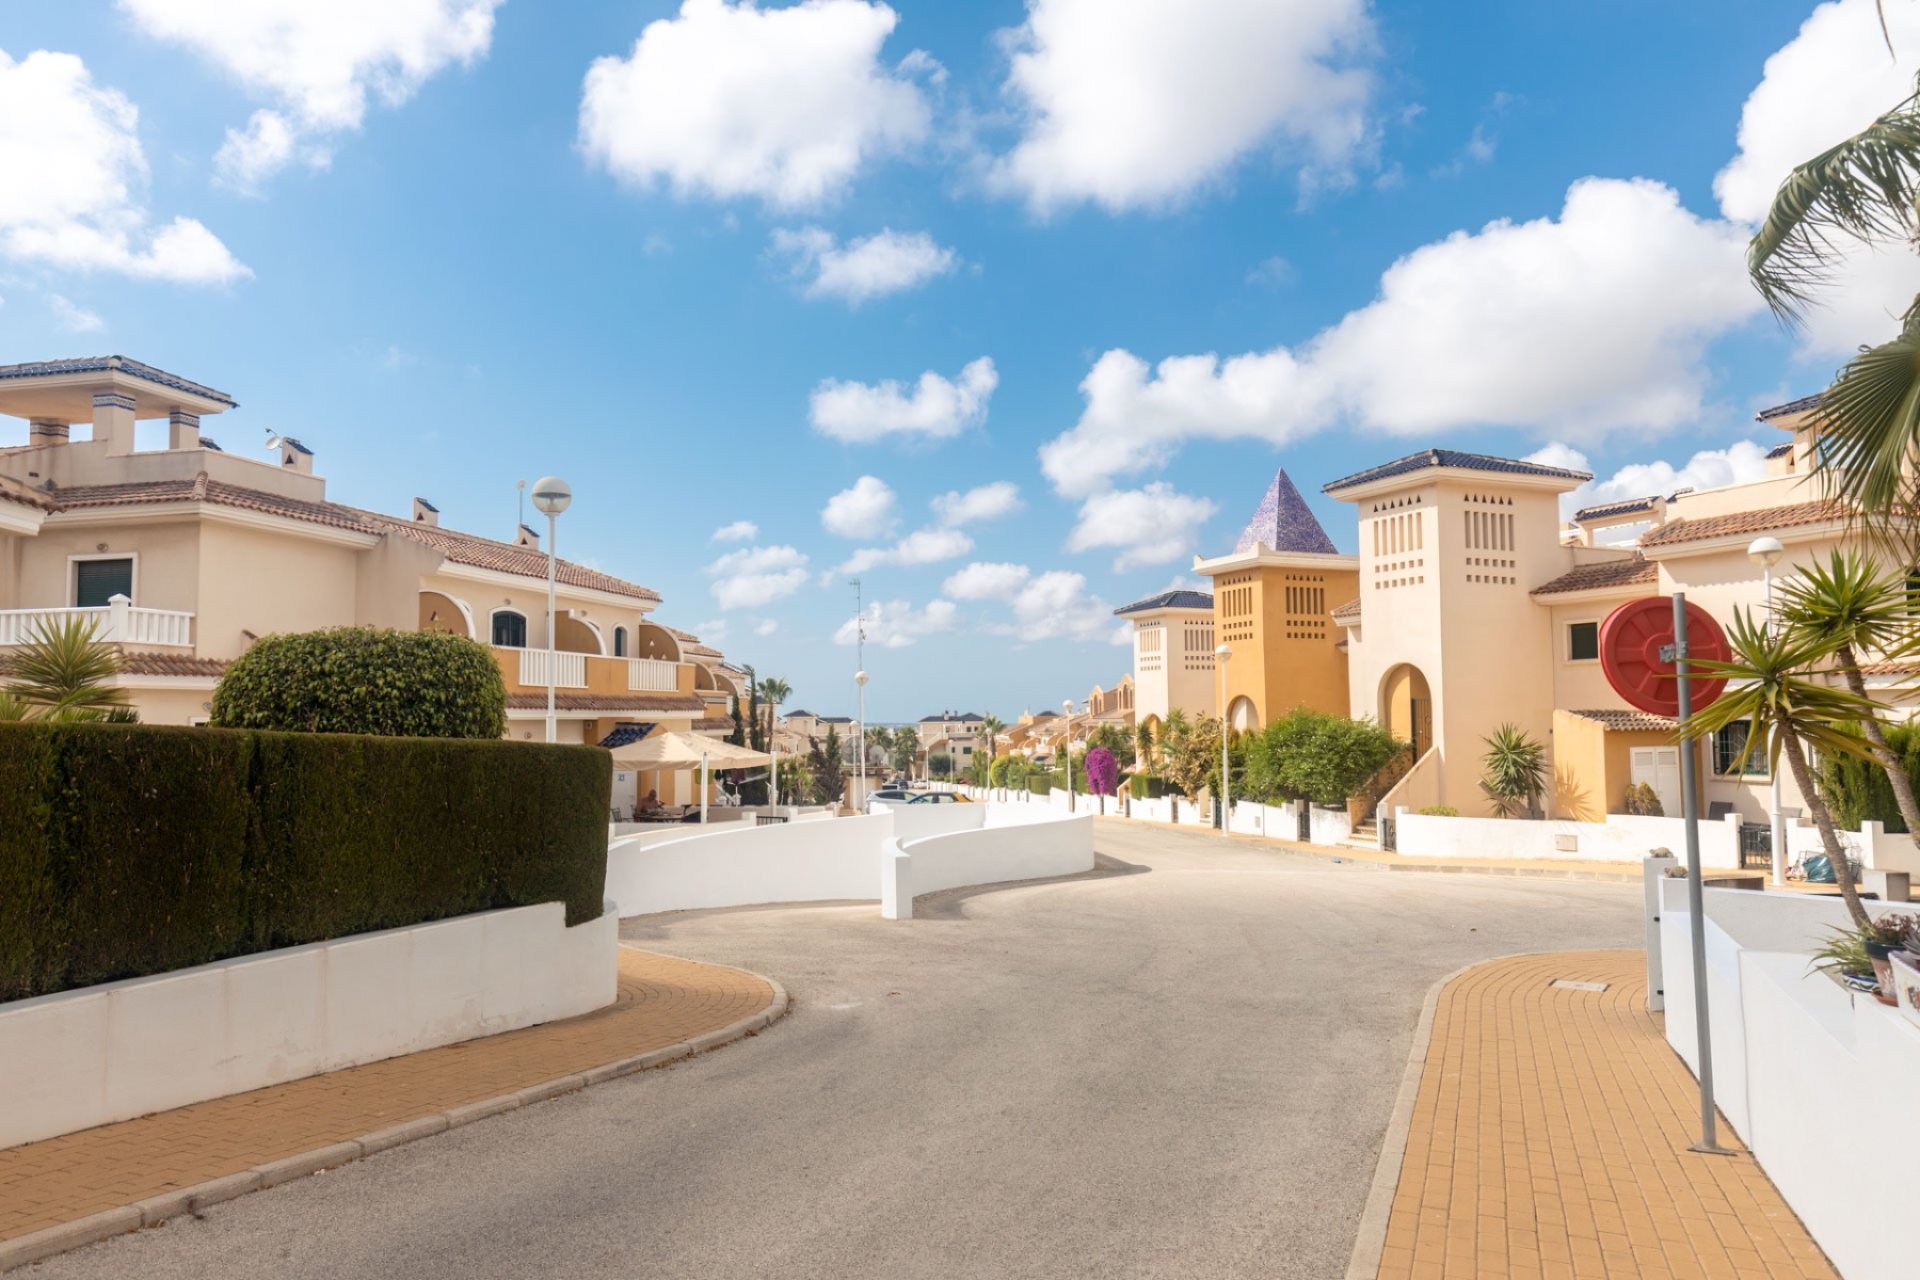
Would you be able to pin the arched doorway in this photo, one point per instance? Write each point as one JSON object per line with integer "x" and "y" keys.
{"x": 1406, "y": 707}
{"x": 1242, "y": 716}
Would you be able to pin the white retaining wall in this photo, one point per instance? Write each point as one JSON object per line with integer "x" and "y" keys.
{"x": 1621, "y": 838}
{"x": 1876, "y": 849}
{"x": 81, "y": 1058}
{"x": 1015, "y": 844}
{"x": 846, "y": 859}
{"x": 1817, "y": 1080}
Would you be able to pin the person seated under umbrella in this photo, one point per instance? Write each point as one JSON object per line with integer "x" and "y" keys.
{"x": 649, "y": 803}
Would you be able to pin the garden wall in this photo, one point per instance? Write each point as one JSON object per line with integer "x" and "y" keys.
{"x": 1014, "y": 844}
{"x": 1621, "y": 838}
{"x": 80, "y": 1058}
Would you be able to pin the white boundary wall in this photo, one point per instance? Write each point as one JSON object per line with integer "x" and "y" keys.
{"x": 1278, "y": 822}
{"x": 75, "y": 1059}
{"x": 846, "y": 859}
{"x": 1014, "y": 844}
{"x": 1621, "y": 838}
{"x": 1788, "y": 1042}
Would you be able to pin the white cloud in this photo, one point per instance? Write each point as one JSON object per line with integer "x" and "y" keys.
{"x": 1542, "y": 325}
{"x": 756, "y": 576}
{"x": 738, "y": 531}
{"x": 1056, "y": 605}
{"x": 1152, "y": 525}
{"x": 1137, "y": 103}
{"x": 72, "y": 174}
{"x": 1826, "y": 84}
{"x": 867, "y": 510}
{"x": 712, "y": 632}
{"x": 70, "y": 317}
{"x": 766, "y": 627}
{"x": 868, "y": 267}
{"x": 984, "y": 502}
{"x": 857, "y": 412}
{"x": 731, "y": 100}
{"x": 922, "y": 546}
{"x": 1739, "y": 463}
{"x": 318, "y": 63}
{"x": 895, "y": 624}
{"x": 985, "y": 581}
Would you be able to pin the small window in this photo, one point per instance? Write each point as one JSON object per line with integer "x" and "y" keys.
{"x": 619, "y": 642}
{"x": 1731, "y": 756}
{"x": 509, "y": 630}
{"x": 1583, "y": 642}
{"x": 97, "y": 581}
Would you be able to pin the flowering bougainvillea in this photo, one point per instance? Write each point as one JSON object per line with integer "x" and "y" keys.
{"x": 1103, "y": 775}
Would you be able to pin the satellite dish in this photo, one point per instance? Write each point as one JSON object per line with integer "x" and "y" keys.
{"x": 1631, "y": 641}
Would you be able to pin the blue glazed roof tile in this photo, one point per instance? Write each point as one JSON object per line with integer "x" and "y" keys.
{"x": 1168, "y": 600}
{"x": 1454, "y": 458}
{"x": 1283, "y": 521}
{"x": 114, "y": 364}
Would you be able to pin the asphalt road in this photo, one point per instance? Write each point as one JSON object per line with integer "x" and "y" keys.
{"x": 1181, "y": 1066}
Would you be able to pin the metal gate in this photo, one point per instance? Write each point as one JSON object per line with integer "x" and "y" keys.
{"x": 1756, "y": 847}
{"x": 1305, "y": 825}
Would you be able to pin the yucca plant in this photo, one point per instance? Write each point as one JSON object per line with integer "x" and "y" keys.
{"x": 1776, "y": 684}
{"x": 62, "y": 673}
{"x": 1514, "y": 771}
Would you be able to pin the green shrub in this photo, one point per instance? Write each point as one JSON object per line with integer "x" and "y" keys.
{"x": 409, "y": 684}
{"x": 131, "y": 850}
{"x": 1146, "y": 786}
{"x": 1857, "y": 790}
{"x": 1439, "y": 811}
{"x": 1039, "y": 783}
{"x": 1643, "y": 802}
{"x": 1000, "y": 770}
{"x": 1311, "y": 755}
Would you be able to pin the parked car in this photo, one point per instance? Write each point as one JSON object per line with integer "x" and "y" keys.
{"x": 940, "y": 797}
{"x": 891, "y": 795}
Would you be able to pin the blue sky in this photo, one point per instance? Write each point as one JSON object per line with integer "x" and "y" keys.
{"x": 422, "y": 241}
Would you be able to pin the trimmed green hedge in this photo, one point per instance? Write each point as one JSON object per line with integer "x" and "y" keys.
{"x": 131, "y": 850}
{"x": 406, "y": 684}
{"x": 1146, "y": 786}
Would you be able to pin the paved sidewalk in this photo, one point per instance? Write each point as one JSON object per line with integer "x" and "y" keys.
{"x": 1549, "y": 1140}
{"x": 662, "y": 1002}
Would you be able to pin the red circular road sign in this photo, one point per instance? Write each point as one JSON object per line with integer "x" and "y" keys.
{"x": 1630, "y": 643}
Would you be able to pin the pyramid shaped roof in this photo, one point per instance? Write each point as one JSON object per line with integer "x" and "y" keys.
{"x": 1283, "y": 522}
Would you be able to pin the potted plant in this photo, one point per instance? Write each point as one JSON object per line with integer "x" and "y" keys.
{"x": 1904, "y": 963}
{"x": 1844, "y": 957}
{"x": 1879, "y": 939}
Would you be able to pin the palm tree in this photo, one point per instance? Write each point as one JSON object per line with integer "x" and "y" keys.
{"x": 1776, "y": 686}
{"x": 62, "y": 674}
{"x": 1175, "y": 728}
{"x": 991, "y": 727}
{"x": 1868, "y": 421}
{"x": 774, "y": 691}
{"x": 1143, "y": 743}
{"x": 1516, "y": 771}
{"x": 1853, "y": 608}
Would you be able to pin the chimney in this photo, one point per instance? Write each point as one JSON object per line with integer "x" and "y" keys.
{"x": 46, "y": 431}
{"x": 529, "y": 537}
{"x": 425, "y": 512}
{"x": 183, "y": 430}
{"x": 295, "y": 456}
{"x": 113, "y": 421}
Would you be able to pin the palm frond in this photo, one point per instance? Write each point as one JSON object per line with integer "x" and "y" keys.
{"x": 1774, "y": 683}
{"x": 1868, "y": 425}
{"x": 1848, "y": 601}
{"x": 1863, "y": 189}
{"x": 64, "y": 665}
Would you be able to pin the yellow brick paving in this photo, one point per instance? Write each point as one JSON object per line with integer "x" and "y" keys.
{"x": 662, "y": 1001}
{"x": 1549, "y": 1141}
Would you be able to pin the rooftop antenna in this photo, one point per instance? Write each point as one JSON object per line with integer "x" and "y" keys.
{"x": 859, "y": 628}
{"x": 521, "y": 485}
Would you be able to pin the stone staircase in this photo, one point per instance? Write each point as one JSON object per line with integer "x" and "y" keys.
{"x": 1364, "y": 836}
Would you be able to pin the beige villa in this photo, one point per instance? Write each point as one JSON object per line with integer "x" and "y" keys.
{"x": 183, "y": 555}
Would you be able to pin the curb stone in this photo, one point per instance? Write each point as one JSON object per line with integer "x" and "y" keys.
{"x": 155, "y": 1210}
{"x": 1370, "y": 1239}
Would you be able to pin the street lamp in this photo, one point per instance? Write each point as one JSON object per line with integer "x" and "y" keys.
{"x": 860, "y": 678}
{"x": 1067, "y": 730}
{"x": 551, "y": 495}
{"x": 1766, "y": 553}
{"x": 1221, "y": 655}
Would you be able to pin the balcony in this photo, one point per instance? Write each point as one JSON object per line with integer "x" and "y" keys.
{"x": 526, "y": 672}
{"x": 117, "y": 623}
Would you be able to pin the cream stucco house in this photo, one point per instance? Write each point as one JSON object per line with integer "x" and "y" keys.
{"x": 183, "y": 554}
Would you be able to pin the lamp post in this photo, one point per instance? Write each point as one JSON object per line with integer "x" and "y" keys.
{"x": 860, "y": 679}
{"x": 1221, "y": 655}
{"x": 773, "y": 754}
{"x": 551, "y": 495}
{"x": 1766, "y": 553}
{"x": 1067, "y": 730}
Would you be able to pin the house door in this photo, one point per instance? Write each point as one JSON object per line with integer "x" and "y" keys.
{"x": 1659, "y": 768}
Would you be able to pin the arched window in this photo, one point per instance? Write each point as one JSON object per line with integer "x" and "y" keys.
{"x": 509, "y": 629}
{"x": 619, "y": 642}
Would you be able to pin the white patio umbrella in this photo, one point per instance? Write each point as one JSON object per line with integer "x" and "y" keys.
{"x": 688, "y": 751}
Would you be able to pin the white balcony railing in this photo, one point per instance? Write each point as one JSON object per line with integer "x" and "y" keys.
{"x": 569, "y": 669}
{"x": 117, "y": 623}
{"x": 652, "y": 675}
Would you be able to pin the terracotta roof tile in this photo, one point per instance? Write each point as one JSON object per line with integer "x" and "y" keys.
{"x": 1627, "y": 721}
{"x": 502, "y": 557}
{"x": 715, "y": 724}
{"x": 172, "y": 664}
{"x": 13, "y": 491}
{"x": 1630, "y": 572}
{"x": 1351, "y": 609}
{"x": 1763, "y": 520}
{"x": 622, "y": 702}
